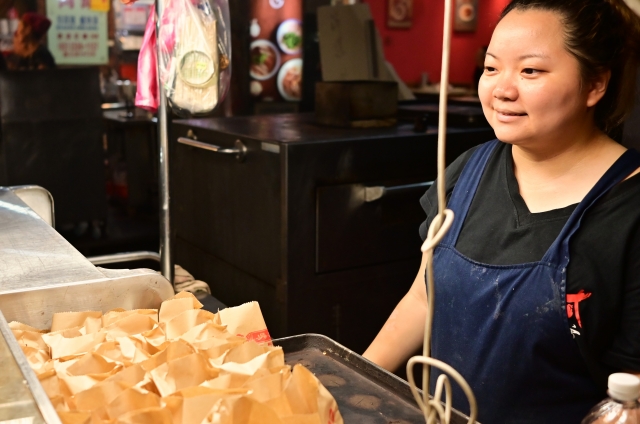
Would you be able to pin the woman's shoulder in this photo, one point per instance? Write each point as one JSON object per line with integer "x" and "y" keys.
{"x": 454, "y": 170}
{"x": 429, "y": 200}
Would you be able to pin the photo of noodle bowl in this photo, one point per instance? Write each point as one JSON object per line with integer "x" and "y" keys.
{"x": 289, "y": 36}
{"x": 265, "y": 59}
{"x": 290, "y": 80}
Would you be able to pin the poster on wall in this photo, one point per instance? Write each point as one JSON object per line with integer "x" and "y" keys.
{"x": 78, "y": 34}
{"x": 399, "y": 13}
{"x": 466, "y": 16}
{"x": 276, "y": 50}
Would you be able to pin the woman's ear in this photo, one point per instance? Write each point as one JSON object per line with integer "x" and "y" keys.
{"x": 597, "y": 87}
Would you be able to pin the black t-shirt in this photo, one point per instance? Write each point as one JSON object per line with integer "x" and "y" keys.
{"x": 40, "y": 59}
{"x": 603, "y": 276}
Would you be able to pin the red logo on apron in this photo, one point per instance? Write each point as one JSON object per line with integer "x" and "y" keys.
{"x": 572, "y": 305}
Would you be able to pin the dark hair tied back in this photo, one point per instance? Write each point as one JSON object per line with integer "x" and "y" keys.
{"x": 603, "y": 35}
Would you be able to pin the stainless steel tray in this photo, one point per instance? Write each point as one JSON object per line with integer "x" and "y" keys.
{"x": 365, "y": 392}
{"x": 40, "y": 274}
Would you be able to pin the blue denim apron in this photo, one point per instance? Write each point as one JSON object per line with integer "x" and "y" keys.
{"x": 505, "y": 327}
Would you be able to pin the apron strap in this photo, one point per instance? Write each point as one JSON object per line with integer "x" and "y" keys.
{"x": 558, "y": 253}
{"x": 465, "y": 189}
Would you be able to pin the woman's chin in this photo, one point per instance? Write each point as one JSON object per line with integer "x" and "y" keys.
{"x": 510, "y": 137}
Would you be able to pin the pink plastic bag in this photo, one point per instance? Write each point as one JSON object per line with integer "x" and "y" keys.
{"x": 147, "y": 96}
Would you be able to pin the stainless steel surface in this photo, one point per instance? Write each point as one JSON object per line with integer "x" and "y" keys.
{"x": 42, "y": 273}
{"x": 357, "y": 378}
{"x": 240, "y": 150}
{"x": 32, "y": 253}
{"x": 38, "y": 199}
{"x": 166, "y": 258}
{"x": 371, "y": 194}
{"x": 117, "y": 258}
{"x": 141, "y": 289}
{"x": 21, "y": 394}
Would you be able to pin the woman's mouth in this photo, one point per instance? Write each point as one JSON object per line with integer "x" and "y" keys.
{"x": 508, "y": 115}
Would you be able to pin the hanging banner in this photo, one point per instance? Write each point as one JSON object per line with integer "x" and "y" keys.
{"x": 78, "y": 34}
{"x": 276, "y": 50}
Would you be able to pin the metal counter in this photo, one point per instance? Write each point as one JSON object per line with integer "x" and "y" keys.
{"x": 40, "y": 274}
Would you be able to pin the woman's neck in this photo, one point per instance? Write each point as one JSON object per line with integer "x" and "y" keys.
{"x": 560, "y": 174}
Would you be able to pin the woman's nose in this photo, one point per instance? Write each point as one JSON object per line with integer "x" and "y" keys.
{"x": 505, "y": 88}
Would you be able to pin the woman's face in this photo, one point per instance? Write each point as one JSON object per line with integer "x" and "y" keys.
{"x": 19, "y": 38}
{"x": 531, "y": 86}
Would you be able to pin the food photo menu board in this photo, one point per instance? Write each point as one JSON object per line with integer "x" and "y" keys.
{"x": 276, "y": 50}
{"x": 78, "y": 34}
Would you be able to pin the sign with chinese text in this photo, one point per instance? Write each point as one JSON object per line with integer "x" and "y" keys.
{"x": 78, "y": 34}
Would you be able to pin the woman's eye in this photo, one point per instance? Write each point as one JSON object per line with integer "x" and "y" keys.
{"x": 529, "y": 71}
{"x": 489, "y": 69}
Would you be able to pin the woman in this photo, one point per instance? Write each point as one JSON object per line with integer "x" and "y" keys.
{"x": 29, "y": 52}
{"x": 538, "y": 280}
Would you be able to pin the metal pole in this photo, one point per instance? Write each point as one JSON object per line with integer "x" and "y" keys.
{"x": 166, "y": 262}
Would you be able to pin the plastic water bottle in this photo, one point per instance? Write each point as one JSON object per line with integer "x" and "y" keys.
{"x": 622, "y": 406}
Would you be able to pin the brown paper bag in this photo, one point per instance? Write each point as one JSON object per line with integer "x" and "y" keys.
{"x": 174, "y": 350}
{"x": 156, "y": 339}
{"x": 246, "y": 320}
{"x": 28, "y": 336}
{"x": 99, "y": 395}
{"x": 130, "y": 376}
{"x": 204, "y": 332}
{"x": 178, "y": 374}
{"x": 306, "y": 395}
{"x": 93, "y": 364}
{"x": 241, "y": 410}
{"x": 272, "y": 359}
{"x": 216, "y": 348}
{"x": 181, "y": 302}
{"x": 130, "y": 400}
{"x": 38, "y": 359}
{"x": 184, "y": 322}
{"x": 191, "y": 405}
{"x": 154, "y": 415}
{"x": 130, "y": 325}
{"x": 133, "y": 350}
{"x": 71, "y": 343}
{"x": 74, "y": 417}
{"x": 90, "y": 320}
{"x": 111, "y": 351}
{"x": 117, "y": 314}
{"x": 50, "y": 383}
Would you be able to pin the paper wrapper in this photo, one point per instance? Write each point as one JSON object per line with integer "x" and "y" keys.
{"x": 178, "y": 365}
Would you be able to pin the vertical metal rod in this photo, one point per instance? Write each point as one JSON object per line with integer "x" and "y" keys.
{"x": 166, "y": 262}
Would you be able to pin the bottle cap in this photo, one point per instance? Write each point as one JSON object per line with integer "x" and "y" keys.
{"x": 624, "y": 387}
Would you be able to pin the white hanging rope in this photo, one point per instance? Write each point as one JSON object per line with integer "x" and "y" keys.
{"x": 433, "y": 409}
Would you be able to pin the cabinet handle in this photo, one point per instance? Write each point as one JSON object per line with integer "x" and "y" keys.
{"x": 371, "y": 194}
{"x": 240, "y": 150}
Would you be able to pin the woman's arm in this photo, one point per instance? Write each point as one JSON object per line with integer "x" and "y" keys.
{"x": 403, "y": 332}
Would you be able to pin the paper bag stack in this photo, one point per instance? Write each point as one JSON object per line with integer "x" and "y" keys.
{"x": 181, "y": 365}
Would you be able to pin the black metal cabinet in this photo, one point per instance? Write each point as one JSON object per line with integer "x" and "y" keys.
{"x": 318, "y": 224}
